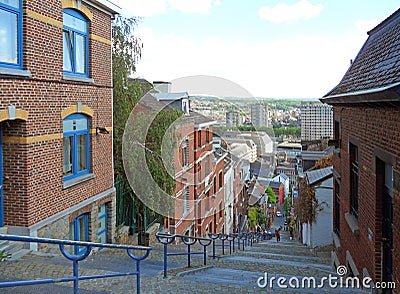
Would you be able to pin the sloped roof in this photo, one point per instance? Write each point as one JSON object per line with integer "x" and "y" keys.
{"x": 377, "y": 65}
{"x": 275, "y": 185}
{"x": 318, "y": 175}
{"x": 170, "y": 96}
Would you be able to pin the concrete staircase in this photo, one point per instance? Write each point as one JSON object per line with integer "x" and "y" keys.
{"x": 16, "y": 249}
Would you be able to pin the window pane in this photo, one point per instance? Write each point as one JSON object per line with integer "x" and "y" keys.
{"x": 82, "y": 229}
{"x": 80, "y": 51}
{"x": 82, "y": 148}
{"x": 8, "y": 37}
{"x": 74, "y": 23}
{"x": 13, "y": 3}
{"x": 102, "y": 209}
{"x": 72, "y": 231}
{"x": 389, "y": 176}
{"x": 80, "y": 124}
{"x": 68, "y": 156}
{"x": 102, "y": 223}
{"x": 67, "y": 51}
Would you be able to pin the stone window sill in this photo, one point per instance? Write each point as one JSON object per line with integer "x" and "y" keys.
{"x": 14, "y": 72}
{"x": 77, "y": 79}
{"x": 352, "y": 222}
{"x": 336, "y": 240}
{"x": 78, "y": 180}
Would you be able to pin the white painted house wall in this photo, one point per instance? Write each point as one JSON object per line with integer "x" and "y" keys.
{"x": 319, "y": 233}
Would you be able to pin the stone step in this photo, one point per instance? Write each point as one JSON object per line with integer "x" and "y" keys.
{"x": 3, "y": 230}
{"x": 281, "y": 249}
{"x": 256, "y": 280}
{"x": 280, "y": 256}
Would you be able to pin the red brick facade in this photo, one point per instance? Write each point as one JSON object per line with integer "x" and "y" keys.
{"x": 375, "y": 132}
{"x": 32, "y": 141}
{"x": 202, "y": 177}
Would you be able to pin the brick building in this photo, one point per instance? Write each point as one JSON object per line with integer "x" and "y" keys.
{"x": 199, "y": 180}
{"x": 56, "y": 171}
{"x": 366, "y": 107}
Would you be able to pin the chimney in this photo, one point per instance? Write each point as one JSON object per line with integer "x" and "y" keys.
{"x": 162, "y": 87}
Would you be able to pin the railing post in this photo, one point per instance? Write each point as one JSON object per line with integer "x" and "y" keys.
{"x": 76, "y": 277}
{"x": 188, "y": 255}
{"x": 165, "y": 260}
{"x": 138, "y": 277}
{"x": 213, "y": 246}
{"x": 205, "y": 255}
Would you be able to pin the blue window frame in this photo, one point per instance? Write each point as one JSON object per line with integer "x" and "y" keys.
{"x": 76, "y": 145}
{"x": 103, "y": 224}
{"x": 79, "y": 231}
{"x": 11, "y": 33}
{"x": 75, "y": 43}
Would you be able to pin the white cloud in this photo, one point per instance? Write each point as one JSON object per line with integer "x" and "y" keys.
{"x": 141, "y": 7}
{"x": 152, "y": 7}
{"x": 285, "y": 13}
{"x": 367, "y": 25}
{"x": 304, "y": 67}
{"x": 193, "y": 6}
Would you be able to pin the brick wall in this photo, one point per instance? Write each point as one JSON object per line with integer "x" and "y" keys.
{"x": 32, "y": 149}
{"x": 377, "y": 131}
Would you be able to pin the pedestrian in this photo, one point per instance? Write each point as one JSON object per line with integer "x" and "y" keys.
{"x": 277, "y": 235}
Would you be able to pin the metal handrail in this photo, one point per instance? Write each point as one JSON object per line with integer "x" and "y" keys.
{"x": 75, "y": 259}
{"x": 167, "y": 239}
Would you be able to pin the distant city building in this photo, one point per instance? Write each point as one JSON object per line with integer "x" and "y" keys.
{"x": 316, "y": 121}
{"x": 234, "y": 118}
{"x": 259, "y": 115}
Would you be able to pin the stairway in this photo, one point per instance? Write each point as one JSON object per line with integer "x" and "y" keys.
{"x": 16, "y": 249}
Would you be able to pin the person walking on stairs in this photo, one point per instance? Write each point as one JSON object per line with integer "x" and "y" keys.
{"x": 277, "y": 235}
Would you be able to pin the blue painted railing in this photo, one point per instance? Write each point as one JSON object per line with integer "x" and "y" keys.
{"x": 75, "y": 259}
{"x": 216, "y": 239}
{"x": 230, "y": 239}
{"x": 167, "y": 239}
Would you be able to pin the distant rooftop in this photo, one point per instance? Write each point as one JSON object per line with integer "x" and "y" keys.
{"x": 170, "y": 96}
{"x": 376, "y": 67}
{"x": 318, "y": 175}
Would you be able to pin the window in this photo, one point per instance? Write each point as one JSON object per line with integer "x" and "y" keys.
{"x": 75, "y": 43}
{"x": 215, "y": 185}
{"x": 199, "y": 173}
{"x": 208, "y": 136}
{"x": 75, "y": 146}
{"x": 220, "y": 179}
{"x": 185, "y": 153}
{"x": 354, "y": 180}
{"x": 11, "y": 33}
{"x": 79, "y": 231}
{"x": 186, "y": 202}
{"x": 336, "y": 223}
{"x": 199, "y": 138}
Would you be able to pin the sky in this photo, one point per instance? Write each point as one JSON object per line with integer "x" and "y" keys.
{"x": 270, "y": 48}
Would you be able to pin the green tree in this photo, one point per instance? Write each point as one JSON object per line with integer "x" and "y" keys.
{"x": 271, "y": 195}
{"x": 126, "y": 51}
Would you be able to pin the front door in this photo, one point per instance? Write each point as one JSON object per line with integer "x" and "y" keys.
{"x": 1, "y": 183}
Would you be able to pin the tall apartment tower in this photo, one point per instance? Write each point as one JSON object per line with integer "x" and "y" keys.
{"x": 259, "y": 115}
{"x": 316, "y": 121}
{"x": 233, "y": 118}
